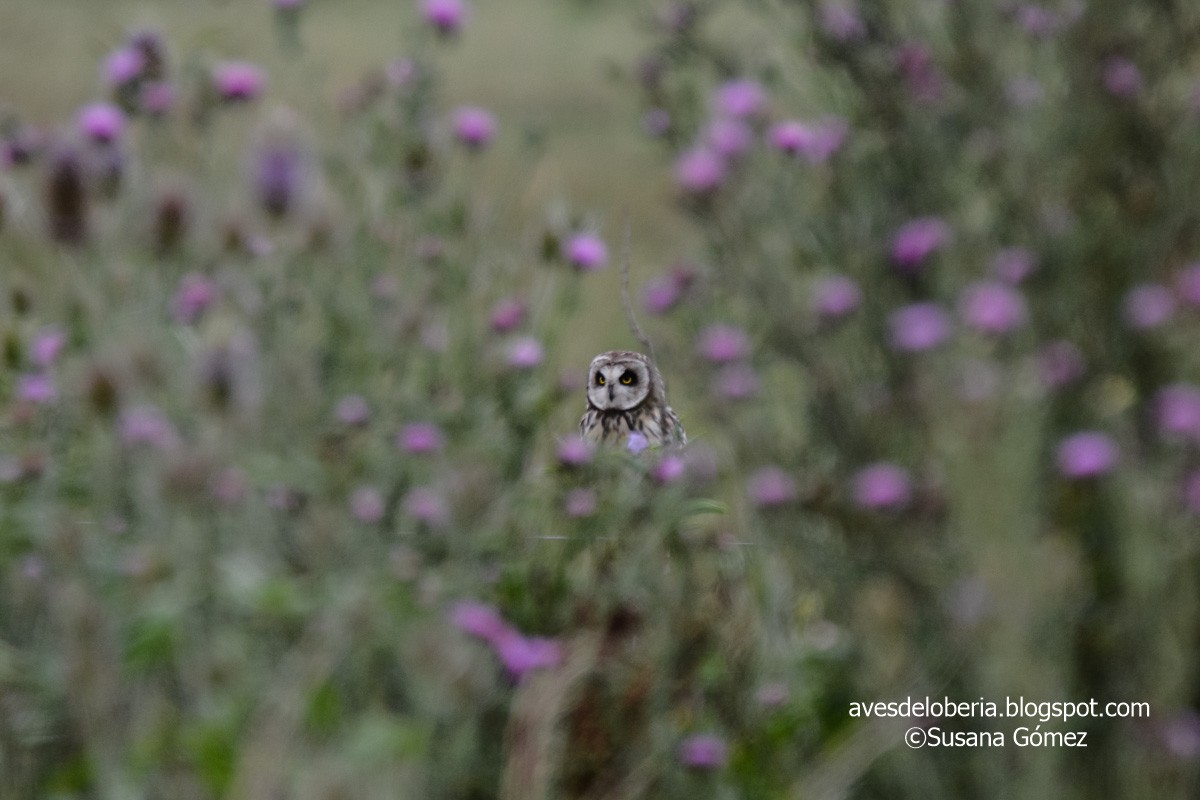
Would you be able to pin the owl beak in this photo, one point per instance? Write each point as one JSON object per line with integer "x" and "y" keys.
{"x": 610, "y": 391}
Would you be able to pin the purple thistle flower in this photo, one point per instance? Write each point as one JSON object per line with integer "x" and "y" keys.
{"x": 736, "y": 382}
{"x": 1013, "y": 264}
{"x": 1191, "y": 492}
{"x": 352, "y": 410}
{"x": 1181, "y": 735}
{"x": 475, "y": 127}
{"x": 656, "y": 122}
{"x": 1037, "y": 21}
{"x": 918, "y": 327}
{"x": 670, "y": 469}
{"x": 637, "y": 442}
{"x": 575, "y": 452}
{"x": 816, "y": 142}
{"x": 924, "y": 79}
{"x": 425, "y": 504}
{"x": 835, "y": 297}
{"x": 700, "y": 171}
{"x": 36, "y": 388}
{"x": 580, "y": 503}
{"x": 101, "y": 122}
{"x": 401, "y": 72}
{"x": 772, "y": 695}
{"x": 521, "y": 654}
{"x": 1187, "y": 285}
{"x": 917, "y": 240}
{"x": 278, "y": 176}
{"x": 1177, "y": 411}
{"x": 1122, "y": 78}
{"x": 586, "y": 252}
{"x": 157, "y": 98}
{"x": 366, "y": 504}
{"x": 229, "y": 486}
{"x": 508, "y": 314}
{"x": 478, "y": 619}
{"x": 1148, "y": 306}
{"x": 660, "y": 294}
{"x": 123, "y": 65}
{"x": 882, "y": 486}
{"x": 1060, "y": 364}
{"x": 525, "y": 352}
{"x": 840, "y": 21}
{"x": 238, "y": 81}
{"x": 993, "y": 308}
{"x": 420, "y": 438}
{"x": 729, "y": 138}
{"x": 721, "y": 344}
{"x": 704, "y": 751}
{"x": 771, "y": 486}
{"x": 47, "y": 345}
{"x": 740, "y": 98}
{"x": 196, "y": 294}
{"x": 1088, "y": 454}
{"x": 147, "y": 425}
{"x": 446, "y": 16}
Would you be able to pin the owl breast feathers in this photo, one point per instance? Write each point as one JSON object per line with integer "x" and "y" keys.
{"x": 625, "y": 394}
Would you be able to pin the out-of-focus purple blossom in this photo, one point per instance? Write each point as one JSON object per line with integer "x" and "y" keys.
{"x": 123, "y": 65}
{"x": 772, "y": 695}
{"x": 1148, "y": 306}
{"x": 728, "y": 137}
{"x": 33, "y": 567}
{"x": 704, "y": 751}
{"x": 993, "y": 308}
{"x": 700, "y": 170}
{"x": 196, "y": 294}
{"x": 1191, "y": 492}
{"x": 586, "y": 252}
{"x": 238, "y": 81}
{"x": 840, "y": 21}
{"x": 279, "y": 172}
{"x": 924, "y": 79}
{"x": 1013, "y": 264}
{"x": 48, "y": 344}
{"x": 521, "y": 654}
{"x": 1181, "y": 735}
{"x": 446, "y": 16}
{"x": 663, "y": 293}
{"x": 702, "y": 464}
{"x": 525, "y": 352}
{"x": 147, "y": 425}
{"x": 656, "y": 122}
{"x": 1088, "y": 454}
{"x": 36, "y": 388}
{"x": 1177, "y": 411}
{"x": 678, "y": 17}
{"x": 916, "y": 240}
{"x": 1060, "y": 364}
{"x": 474, "y": 126}
{"x": 580, "y": 503}
{"x": 736, "y": 382}
{"x": 816, "y": 142}
{"x": 670, "y": 469}
{"x": 157, "y": 98}
{"x": 835, "y": 297}
{"x": 740, "y": 98}
{"x": 637, "y": 442}
{"x": 918, "y": 327}
{"x": 1121, "y": 77}
{"x": 575, "y": 452}
{"x": 1037, "y": 21}
{"x": 721, "y": 344}
{"x": 508, "y": 314}
{"x": 430, "y": 248}
{"x": 284, "y": 499}
{"x": 401, "y": 72}
{"x": 1024, "y": 91}
{"x": 153, "y": 47}
{"x": 771, "y": 486}
{"x": 229, "y": 486}
{"x": 366, "y": 504}
{"x": 1187, "y": 285}
{"x": 882, "y": 486}
{"x": 101, "y": 122}
{"x": 420, "y": 438}
{"x": 425, "y": 504}
{"x": 352, "y": 410}
{"x": 479, "y": 619}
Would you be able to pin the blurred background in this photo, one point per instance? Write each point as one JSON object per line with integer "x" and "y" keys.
{"x": 296, "y": 300}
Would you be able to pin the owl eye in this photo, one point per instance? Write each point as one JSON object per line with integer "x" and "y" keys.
{"x": 599, "y": 379}
{"x": 628, "y": 378}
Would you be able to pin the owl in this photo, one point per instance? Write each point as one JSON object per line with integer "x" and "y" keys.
{"x": 626, "y": 393}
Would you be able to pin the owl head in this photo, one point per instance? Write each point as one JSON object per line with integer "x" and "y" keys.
{"x": 620, "y": 380}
